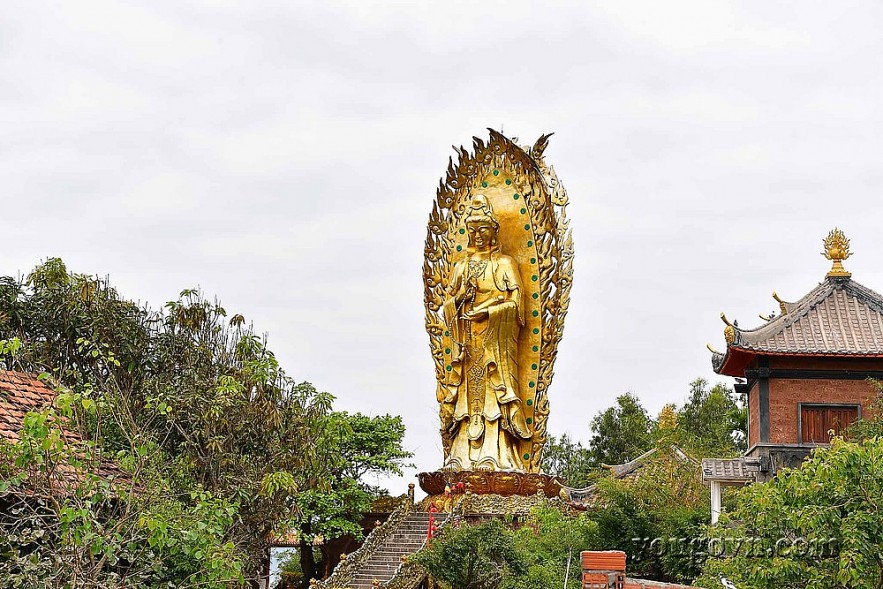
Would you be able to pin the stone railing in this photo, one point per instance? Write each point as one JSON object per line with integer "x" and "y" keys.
{"x": 348, "y": 568}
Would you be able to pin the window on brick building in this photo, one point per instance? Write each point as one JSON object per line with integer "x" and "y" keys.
{"x": 817, "y": 421}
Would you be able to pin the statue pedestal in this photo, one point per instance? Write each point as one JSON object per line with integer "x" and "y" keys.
{"x": 502, "y": 483}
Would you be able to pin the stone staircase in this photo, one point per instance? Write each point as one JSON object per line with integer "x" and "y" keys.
{"x": 385, "y": 561}
{"x": 380, "y": 557}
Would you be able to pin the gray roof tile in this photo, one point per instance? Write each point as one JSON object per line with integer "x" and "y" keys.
{"x": 838, "y": 317}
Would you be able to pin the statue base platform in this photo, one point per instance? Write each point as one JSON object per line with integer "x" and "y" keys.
{"x": 474, "y": 507}
{"x": 495, "y": 482}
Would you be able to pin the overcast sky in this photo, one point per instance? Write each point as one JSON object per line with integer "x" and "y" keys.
{"x": 284, "y": 156}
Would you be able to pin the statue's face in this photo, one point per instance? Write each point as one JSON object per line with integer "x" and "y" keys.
{"x": 481, "y": 234}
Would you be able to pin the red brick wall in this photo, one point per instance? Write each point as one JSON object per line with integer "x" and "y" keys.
{"x": 753, "y": 416}
{"x": 786, "y": 393}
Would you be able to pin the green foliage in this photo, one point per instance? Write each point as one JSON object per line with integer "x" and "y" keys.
{"x": 562, "y": 457}
{"x": 818, "y": 526}
{"x": 871, "y": 423}
{"x": 8, "y": 350}
{"x": 372, "y": 445}
{"x": 543, "y": 552}
{"x": 666, "y": 500}
{"x": 334, "y": 496}
{"x": 622, "y": 432}
{"x": 473, "y": 556}
{"x": 713, "y": 422}
{"x": 68, "y": 522}
{"x": 550, "y": 543}
{"x": 201, "y": 398}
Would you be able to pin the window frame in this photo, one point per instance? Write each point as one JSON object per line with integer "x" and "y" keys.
{"x": 815, "y": 404}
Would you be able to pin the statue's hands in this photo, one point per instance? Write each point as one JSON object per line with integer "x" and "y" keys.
{"x": 474, "y": 315}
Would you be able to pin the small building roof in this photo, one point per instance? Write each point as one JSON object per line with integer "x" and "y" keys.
{"x": 628, "y": 470}
{"x": 839, "y": 317}
{"x": 729, "y": 470}
{"x": 21, "y": 393}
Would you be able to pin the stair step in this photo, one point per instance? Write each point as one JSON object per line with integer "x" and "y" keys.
{"x": 408, "y": 537}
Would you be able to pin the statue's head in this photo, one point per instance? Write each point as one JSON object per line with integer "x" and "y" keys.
{"x": 481, "y": 224}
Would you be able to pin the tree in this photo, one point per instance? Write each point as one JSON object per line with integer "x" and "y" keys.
{"x": 871, "y": 423}
{"x": 544, "y": 551}
{"x": 199, "y": 387}
{"x": 814, "y": 527}
{"x": 665, "y": 499}
{"x": 622, "y": 432}
{"x": 472, "y": 556}
{"x": 550, "y": 542}
{"x": 71, "y": 518}
{"x": 562, "y": 457}
{"x": 713, "y": 419}
{"x": 334, "y": 494}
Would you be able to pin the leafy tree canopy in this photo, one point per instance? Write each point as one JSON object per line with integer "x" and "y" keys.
{"x": 714, "y": 420}
{"x": 622, "y": 432}
{"x": 814, "y": 527}
{"x": 570, "y": 460}
{"x": 473, "y": 556}
{"x": 206, "y": 396}
{"x": 351, "y": 447}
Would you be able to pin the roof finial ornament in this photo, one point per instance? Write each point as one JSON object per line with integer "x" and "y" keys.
{"x": 729, "y": 330}
{"x": 783, "y": 306}
{"x": 837, "y": 250}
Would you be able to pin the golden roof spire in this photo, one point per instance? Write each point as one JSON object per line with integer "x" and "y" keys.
{"x": 837, "y": 250}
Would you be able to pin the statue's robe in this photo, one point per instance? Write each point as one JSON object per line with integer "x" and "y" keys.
{"x": 485, "y": 435}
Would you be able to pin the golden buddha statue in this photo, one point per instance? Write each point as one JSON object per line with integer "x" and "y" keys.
{"x": 483, "y": 311}
{"x": 497, "y": 272}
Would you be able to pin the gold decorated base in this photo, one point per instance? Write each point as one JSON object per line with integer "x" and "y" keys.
{"x": 501, "y": 483}
{"x": 478, "y": 507}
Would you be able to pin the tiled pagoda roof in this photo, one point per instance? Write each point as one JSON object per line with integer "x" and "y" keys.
{"x": 839, "y": 317}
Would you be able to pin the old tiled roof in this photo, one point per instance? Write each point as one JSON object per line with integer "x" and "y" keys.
{"x": 839, "y": 317}
{"x": 20, "y": 393}
{"x": 628, "y": 470}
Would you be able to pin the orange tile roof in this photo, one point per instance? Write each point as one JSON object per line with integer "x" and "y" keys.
{"x": 19, "y": 394}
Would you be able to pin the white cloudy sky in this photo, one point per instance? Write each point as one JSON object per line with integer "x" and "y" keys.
{"x": 284, "y": 157}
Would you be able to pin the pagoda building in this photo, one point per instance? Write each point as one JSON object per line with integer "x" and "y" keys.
{"x": 805, "y": 372}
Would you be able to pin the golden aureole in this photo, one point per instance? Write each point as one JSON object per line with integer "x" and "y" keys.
{"x": 497, "y": 275}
